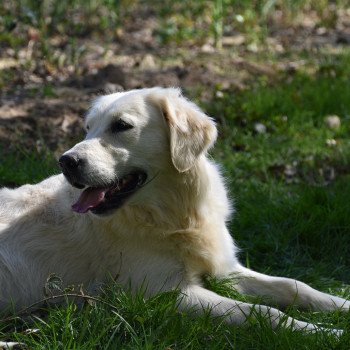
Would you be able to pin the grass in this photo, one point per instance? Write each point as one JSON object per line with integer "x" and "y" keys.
{"x": 290, "y": 185}
{"x": 178, "y": 22}
{"x": 182, "y": 21}
{"x": 23, "y": 167}
{"x": 136, "y": 323}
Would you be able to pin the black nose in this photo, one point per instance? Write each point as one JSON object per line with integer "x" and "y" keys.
{"x": 69, "y": 162}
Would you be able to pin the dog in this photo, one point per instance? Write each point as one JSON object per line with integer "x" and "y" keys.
{"x": 139, "y": 199}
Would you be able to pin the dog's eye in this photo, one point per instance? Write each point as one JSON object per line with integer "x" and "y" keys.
{"x": 120, "y": 125}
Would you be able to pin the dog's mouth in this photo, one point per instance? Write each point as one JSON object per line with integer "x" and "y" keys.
{"x": 100, "y": 200}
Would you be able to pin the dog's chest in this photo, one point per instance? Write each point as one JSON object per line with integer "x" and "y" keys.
{"x": 141, "y": 264}
{"x": 149, "y": 268}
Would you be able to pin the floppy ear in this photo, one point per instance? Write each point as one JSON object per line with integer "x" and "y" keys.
{"x": 192, "y": 132}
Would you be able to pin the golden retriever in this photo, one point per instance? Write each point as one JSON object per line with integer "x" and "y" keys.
{"x": 139, "y": 199}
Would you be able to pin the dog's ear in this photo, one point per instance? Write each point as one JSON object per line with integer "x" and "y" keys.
{"x": 192, "y": 132}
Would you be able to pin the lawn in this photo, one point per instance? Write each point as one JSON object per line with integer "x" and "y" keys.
{"x": 288, "y": 173}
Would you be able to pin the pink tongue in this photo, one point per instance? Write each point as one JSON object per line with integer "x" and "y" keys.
{"x": 90, "y": 198}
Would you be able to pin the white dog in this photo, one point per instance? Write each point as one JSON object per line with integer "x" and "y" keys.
{"x": 138, "y": 199}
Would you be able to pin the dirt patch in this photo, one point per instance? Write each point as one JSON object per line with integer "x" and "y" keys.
{"x": 31, "y": 119}
{"x": 34, "y": 124}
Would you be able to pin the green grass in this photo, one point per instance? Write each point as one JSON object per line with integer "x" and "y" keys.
{"x": 291, "y": 224}
{"x": 180, "y": 22}
{"x": 194, "y": 21}
{"x": 136, "y": 323}
{"x": 25, "y": 166}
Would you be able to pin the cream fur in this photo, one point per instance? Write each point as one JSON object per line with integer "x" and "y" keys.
{"x": 169, "y": 234}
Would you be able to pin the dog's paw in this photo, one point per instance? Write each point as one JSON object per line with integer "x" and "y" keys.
{"x": 332, "y": 331}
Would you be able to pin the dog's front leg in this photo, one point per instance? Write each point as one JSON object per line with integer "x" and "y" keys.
{"x": 198, "y": 299}
{"x": 286, "y": 291}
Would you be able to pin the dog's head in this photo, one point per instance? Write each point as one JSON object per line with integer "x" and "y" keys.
{"x": 131, "y": 137}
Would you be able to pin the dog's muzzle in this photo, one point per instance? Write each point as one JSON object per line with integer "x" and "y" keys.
{"x": 99, "y": 198}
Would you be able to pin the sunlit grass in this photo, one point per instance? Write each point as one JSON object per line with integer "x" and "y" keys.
{"x": 136, "y": 323}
